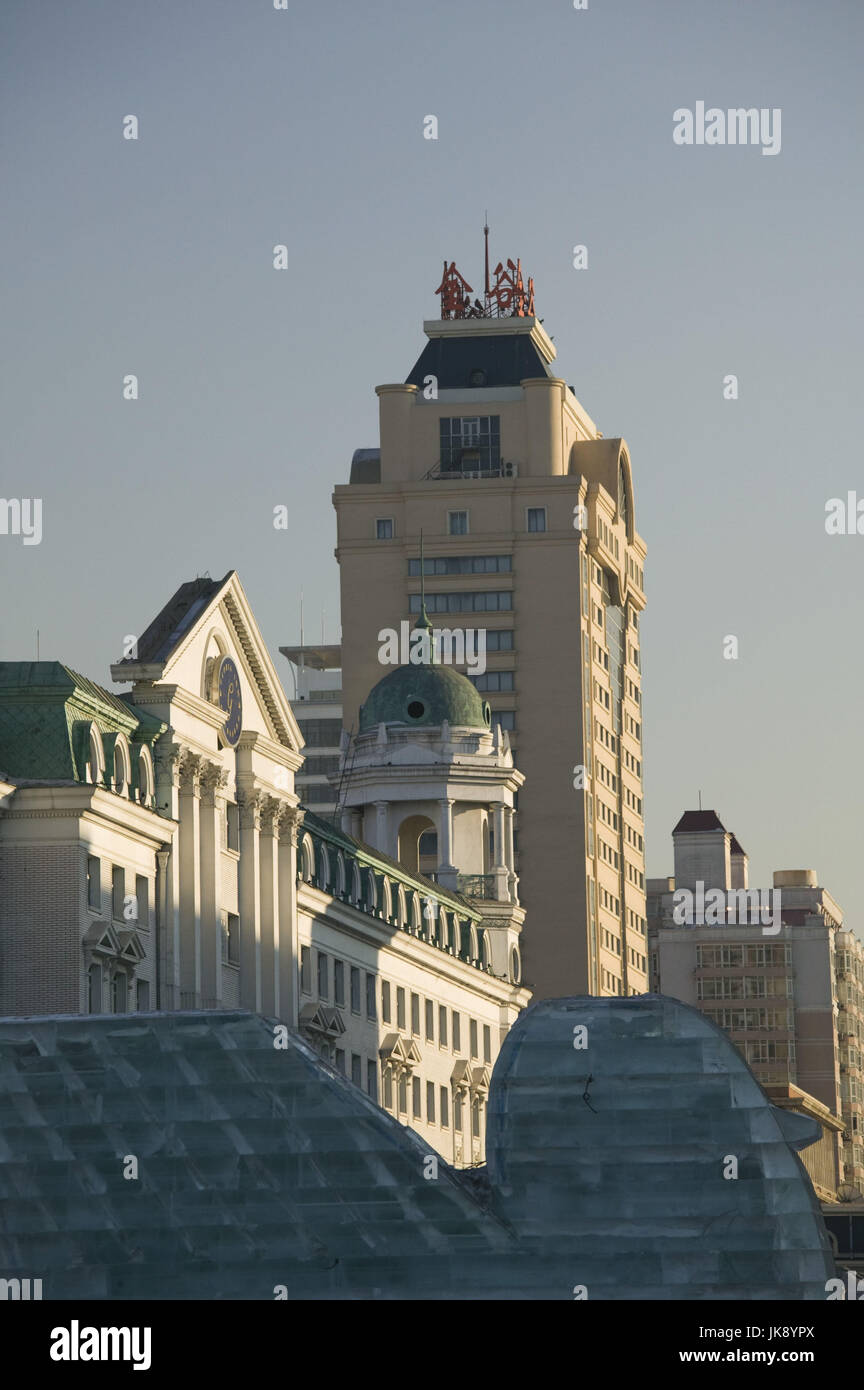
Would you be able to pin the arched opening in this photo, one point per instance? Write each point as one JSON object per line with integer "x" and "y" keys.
{"x": 144, "y": 776}
{"x": 96, "y": 759}
{"x": 411, "y": 831}
{"x": 122, "y": 766}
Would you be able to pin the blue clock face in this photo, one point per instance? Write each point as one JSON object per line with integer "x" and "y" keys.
{"x": 230, "y": 700}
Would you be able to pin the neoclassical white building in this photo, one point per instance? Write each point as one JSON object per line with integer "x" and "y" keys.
{"x": 154, "y": 854}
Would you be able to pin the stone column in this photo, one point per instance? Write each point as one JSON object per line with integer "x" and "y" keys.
{"x": 499, "y": 869}
{"x": 212, "y": 813}
{"x": 271, "y": 815}
{"x": 287, "y": 953}
{"x": 381, "y": 809}
{"x": 510, "y": 857}
{"x": 166, "y": 757}
{"x": 190, "y": 881}
{"x": 446, "y": 868}
{"x": 249, "y": 801}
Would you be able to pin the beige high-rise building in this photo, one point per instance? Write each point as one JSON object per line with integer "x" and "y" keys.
{"x": 528, "y": 523}
{"x": 776, "y": 970}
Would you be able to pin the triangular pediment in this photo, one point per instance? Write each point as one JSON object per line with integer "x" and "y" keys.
{"x": 203, "y": 622}
{"x": 101, "y": 937}
{"x": 130, "y": 946}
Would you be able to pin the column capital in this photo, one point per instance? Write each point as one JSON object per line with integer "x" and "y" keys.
{"x": 272, "y": 814}
{"x": 214, "y": 780}
{"x": 250, "y": 801}
{"x": 191, "y": 765}
{"x": 166, "y": 758}
{"x": 290, "y": 824}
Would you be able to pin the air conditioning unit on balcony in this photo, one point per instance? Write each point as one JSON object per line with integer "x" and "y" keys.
{"x": 509, "y": 470}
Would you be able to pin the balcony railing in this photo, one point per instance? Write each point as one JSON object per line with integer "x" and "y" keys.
{"x": 471, "y": 469}
{"x": 472, "y": 885}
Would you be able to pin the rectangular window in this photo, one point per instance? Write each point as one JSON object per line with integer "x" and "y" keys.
{"x": 457, "y": 523}
{"x": 322, "y": 733}
{"x": 475, "y": 601}
{"x": 504, "y": 718}
{"x": 471, "y": 445}
{"x": 416, "y": 1096}
{"x": 356, "y": 1069}
{"x": 142, "y": 996}
{"x": 323, "y": 976}
{"x": 388, "y": 1089}
{"x": 305, "y": 968}
{"x": 372, "y": 1080}
{"x": 442, "y": 1026}
{"x": 339, "y": 982}
{"x": 400, "y": 1007}
{"x": 430, "y": 1102}
{"x": 231, "y": 946}
{"x": 536, "y": 518}
{"x": 462, "y": 564}
{"x": 355, "y": 990}
{"x": 430, "y": 1021}
{"x": 94, "y": 883}
{"x": 370, "y": 996}
{"x": 500, "y": 641}
{"x": 402, "y": 1090}
{"x": 340, "y": 1060}
{"x": 457, "y": 1032}
{"x": 493, "y": 681}
{"x": 142, "y": 901}
{"x": 232, "y": 832}
{"x": 457, "y": 1113}
{"x": 475, "y": 1120}
{"x": 487, "y": 1043}
{"x": 384, "y": 529}
{"x": 415, "y": 1015}
{"x": 472, "y": 1030}
{"x": 118, "y": 892}
{"x": 444, "y": 1106}
{"x": 385, "y": 1000}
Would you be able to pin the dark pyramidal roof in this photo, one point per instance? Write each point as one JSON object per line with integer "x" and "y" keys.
{"x": 499, "y": 360}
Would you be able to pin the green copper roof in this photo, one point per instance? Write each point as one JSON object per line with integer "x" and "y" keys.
{"x": 425, "y": 696}
{"x": 45, "y": 710}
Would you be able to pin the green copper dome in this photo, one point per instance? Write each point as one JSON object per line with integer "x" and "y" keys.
{"x": 425, "y": 695}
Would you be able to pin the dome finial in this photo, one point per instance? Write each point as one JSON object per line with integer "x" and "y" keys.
{"x": 423, "y": 622}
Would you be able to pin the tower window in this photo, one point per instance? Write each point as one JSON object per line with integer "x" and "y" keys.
{"x": 471, "y": 444}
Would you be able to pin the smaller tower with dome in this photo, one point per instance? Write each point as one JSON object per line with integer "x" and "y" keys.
{"x": 429, "y": 780}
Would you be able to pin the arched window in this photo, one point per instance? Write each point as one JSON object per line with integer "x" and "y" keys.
{"x": 307, "y": 860}
{"x": 623, "y": 507}
{"x": 323, "y": 878}
{"x": 340, "y": 875}
{"x": 96, "y": 757}
{"x": 515, "y": 967}
{"x": 146, "y": 786}
{"x": 122, "y": 765}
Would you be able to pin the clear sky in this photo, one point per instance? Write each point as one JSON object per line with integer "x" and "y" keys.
{"x": 305, "y": 127}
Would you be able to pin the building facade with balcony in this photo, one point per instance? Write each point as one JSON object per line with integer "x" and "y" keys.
{"x": 154, "y": 855}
